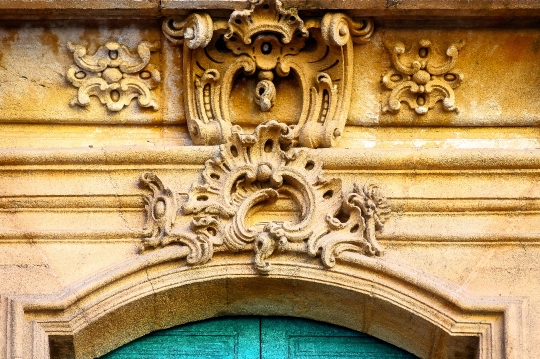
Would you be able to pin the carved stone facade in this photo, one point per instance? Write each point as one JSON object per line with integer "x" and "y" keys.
{"x": 289, "y": 158}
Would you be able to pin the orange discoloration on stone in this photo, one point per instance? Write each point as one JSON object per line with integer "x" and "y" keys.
{"x": 516, "y": 47}
{"x": 7, "y": 38}
{"x": 50, "y": 39}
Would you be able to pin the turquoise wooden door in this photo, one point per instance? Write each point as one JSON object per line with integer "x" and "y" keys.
{"x": 306, "y": 339}
{"x": 257, "y": 338}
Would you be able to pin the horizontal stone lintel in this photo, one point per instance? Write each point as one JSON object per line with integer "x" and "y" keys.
{"x": 339, "y": 159}
{"x": 46, "y": 9}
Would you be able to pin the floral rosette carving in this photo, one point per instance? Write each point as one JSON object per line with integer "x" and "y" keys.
{"x": 424, "y": 79}
{"x": 114, "y": 75}
{"x": 259, "y": 168}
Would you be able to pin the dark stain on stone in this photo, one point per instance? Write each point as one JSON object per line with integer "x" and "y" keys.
{"x": 516, "y": 47}
{"x": 50, "y": 39}
{"x": 88, "y": 38}
{"x": 61, "y": 347}
{"x": 11, "y": 36}
{"x": 536, "y": 45}
{"x": 8, "y": 37}
{"x": 393, "y": 3}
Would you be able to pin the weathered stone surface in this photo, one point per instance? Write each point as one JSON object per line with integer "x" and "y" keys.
{"x": 78, "y": 9}
{"x": 39, "y": 91}
{"x": 461, "y": 259}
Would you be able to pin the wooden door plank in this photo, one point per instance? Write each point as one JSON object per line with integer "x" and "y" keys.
{"x": 295, "y": 338}
{"x": 219, "y": 338}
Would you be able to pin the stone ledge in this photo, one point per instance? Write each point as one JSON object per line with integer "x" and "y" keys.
{"x": 44, "y": 9}
{"x": 334, "y": 159}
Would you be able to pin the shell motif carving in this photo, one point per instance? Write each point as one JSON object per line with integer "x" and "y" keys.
{"x": 115, "y": 75}
{"x": 259, "y": 168}
{"x": 268, "y": 42}
{"x": 423, "y": 80}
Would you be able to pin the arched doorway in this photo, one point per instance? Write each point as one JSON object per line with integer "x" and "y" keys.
{"x": 258, "y": 337}
{"x": 390, "y": 302}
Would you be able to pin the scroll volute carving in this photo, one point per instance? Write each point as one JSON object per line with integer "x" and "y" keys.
{"x": 268, "y": 41}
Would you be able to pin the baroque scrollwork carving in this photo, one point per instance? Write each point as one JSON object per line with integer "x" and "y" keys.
{"x": 114, "y": 75}
{"x": 267, "y": 42}
{"x": 258, "y": 168}
{"x": 422, "y": 77}
{"x": 161, "y": 207}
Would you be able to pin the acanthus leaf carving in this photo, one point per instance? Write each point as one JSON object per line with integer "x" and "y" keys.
{"x": 114, "y": 75}
{"x": 423, "y": 80}
{"x": 265, "y": 16}
{"x": 258, "y": 168}
{"x": 269, "y": 42}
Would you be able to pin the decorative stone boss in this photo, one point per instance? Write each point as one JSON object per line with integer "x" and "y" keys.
{"x": 114, "y": 75}
{"x": 424, "y": 79}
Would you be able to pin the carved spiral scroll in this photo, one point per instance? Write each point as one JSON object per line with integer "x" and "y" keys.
{"x": 265, "y": 94}
{"x": 197, "y": 29}
{"x": 337, "y": 29}
{"x": 161, "y": 207}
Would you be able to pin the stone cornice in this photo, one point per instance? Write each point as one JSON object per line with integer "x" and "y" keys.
{"x": 43, "y": 9}
{"x": 339, "y": 159}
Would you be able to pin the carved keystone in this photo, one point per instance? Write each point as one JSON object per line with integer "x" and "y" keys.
{"x": 261, "y": 167}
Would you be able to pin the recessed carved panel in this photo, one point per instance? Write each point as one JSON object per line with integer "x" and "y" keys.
{"x": 422, "y": 77}
{"x": 259, "y": 168}
{"x": 267, "y": 42}
{"x": 114, "y": 75}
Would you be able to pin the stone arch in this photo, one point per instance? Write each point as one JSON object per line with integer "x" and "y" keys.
{"x": 157, "y": 290}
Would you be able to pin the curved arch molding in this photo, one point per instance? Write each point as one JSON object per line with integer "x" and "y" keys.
{"x": 159, "y": 290}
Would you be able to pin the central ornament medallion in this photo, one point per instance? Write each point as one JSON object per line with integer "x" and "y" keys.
{"x": 267, "y": 42}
